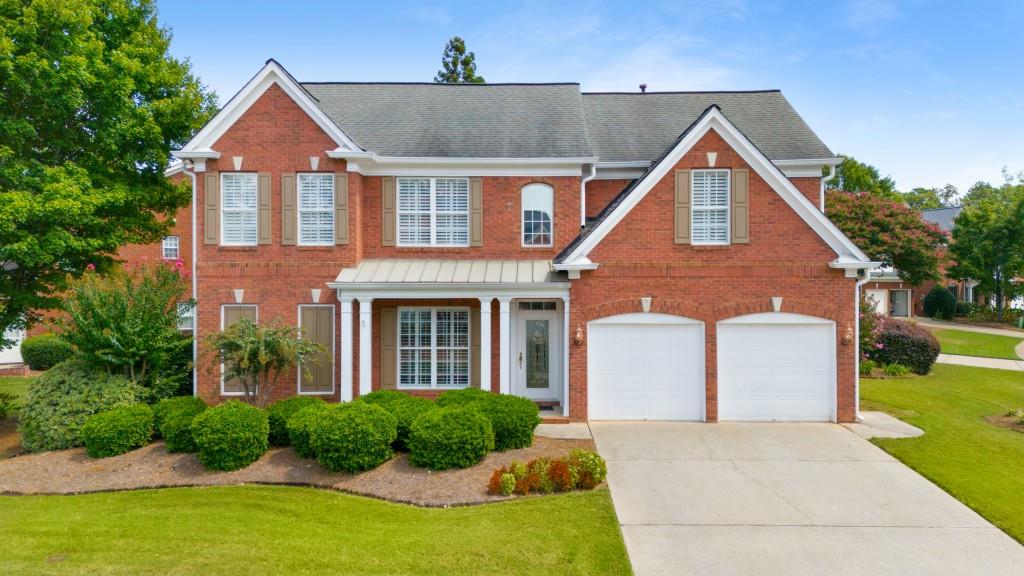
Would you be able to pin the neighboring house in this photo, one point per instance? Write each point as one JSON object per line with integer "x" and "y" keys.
{"x": 608, "y": 255}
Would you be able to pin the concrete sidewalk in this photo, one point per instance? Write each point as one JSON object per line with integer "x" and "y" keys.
{"x": 786, "y": 499}
{"x": 979, "y": 362}
{"x": 930, "y": 323}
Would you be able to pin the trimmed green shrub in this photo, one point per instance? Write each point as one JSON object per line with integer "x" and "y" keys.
{"x": 462, "y": 397}
{"x": 404, "y": 407}
{"x": 939, "y": 303}
{"x": 900, "y": 342}
{"x": 353, "y": 437}
{"x": 230, "y": 436}
{"x": 453, "y": 437}
{"x": 301, "y": 425}
{"x": 384, "y": 397}
{"x": 118, "y": 431}
{"x": 173, "y": 418}
{"x": 45, "y": 351}
{"x": 513, "y": 419}
{"x": 279, "y": 412}
{"x": 60, "y": 401}
{"x": 965, "y": 308}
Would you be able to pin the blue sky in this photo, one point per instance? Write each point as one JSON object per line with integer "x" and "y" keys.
{"x": 929, "y": 92}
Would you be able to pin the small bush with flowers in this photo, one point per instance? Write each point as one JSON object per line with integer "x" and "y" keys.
{"x": 580, "y": 470}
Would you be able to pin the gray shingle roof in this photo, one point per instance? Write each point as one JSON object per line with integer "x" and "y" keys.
{"x": 459, "y": 120}
{"x": 635, "y": 126}
{"x": 943, "y": 217}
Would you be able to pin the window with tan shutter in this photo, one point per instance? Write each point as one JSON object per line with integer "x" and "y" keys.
{"x": 709, "y": 207}
{"x": 433, "y": 211}
{"x": 316, "y": 209}
{"x": 238, "y": 213}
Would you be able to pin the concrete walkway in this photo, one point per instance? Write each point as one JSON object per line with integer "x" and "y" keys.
{"x": 930, "y": 323}
{"x": 793, "y": 499}
{"x": 980, "y": 362}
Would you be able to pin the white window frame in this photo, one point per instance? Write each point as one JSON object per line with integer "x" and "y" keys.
{"x": 550, "y": 212}
{"x": 255, "y": 209}
{"x": 727, "y": 208}
{"x": 433, "y": 347}
{"x": 222, "y": 308}
{"x": 299, "y": 211}
{"x": 165, "y": 245}
{"x": 334, "y": 357}
{"x": 433, "y": 212}
{"x": 186, "y": 313}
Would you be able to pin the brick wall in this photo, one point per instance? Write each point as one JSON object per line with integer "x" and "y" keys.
{"x": 601, "y": 192}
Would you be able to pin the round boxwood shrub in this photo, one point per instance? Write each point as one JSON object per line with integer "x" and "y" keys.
{"x": 173, "y": 419}
{"x": 45, "y": 351}
{"x": 462, "y": 397}
{"x": 939, "y": 303}
{"x": 301, "y": 425}
{"x": 453, "y": 437}
{"x": 384, "y": 397}
{"x": 513, "y": 419}
{"x": 353, "y": 437}
{"x": 900, "y": 342}
{"x": 60, "y": 400}
{"x": 279, "y": 412}
{"x": 118, "y": 431}
{"x": 406, "y": 412}
{"x": 230, "y": 436}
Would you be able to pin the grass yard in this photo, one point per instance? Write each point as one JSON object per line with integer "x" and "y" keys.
{"x": 17, "y": 385}
{"x": 287, "y": 530}
{"x": 977, "y": 344}
{"x": 977, "y": 462}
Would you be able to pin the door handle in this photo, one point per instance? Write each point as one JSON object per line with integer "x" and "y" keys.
{"x": 520, "y": 360}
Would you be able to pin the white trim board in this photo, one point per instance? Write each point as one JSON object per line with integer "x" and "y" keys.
{"x": 271, "y": 73}
{"x": 713, "y": 119}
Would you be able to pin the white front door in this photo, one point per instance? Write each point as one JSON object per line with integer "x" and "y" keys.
{"x": 12, "y": 354}
{"x": 537, "y": 352}
{"x": 881, "y": 301}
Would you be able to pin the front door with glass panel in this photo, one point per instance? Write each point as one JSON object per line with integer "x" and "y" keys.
{"x": 900, "y": 303}
{"x": 536, "y": 361}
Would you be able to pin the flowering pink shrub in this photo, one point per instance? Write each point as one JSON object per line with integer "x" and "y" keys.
{"x": 904, "y": 343}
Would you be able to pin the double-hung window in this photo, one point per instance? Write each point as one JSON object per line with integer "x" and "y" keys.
{"x": 710, "y": 207}
{"x": 186, "y": 316}
{"x": 433, "y": 348}
{"x": 170, "y": 247}
{"x": 433, "y": 211}
{"x": 537, "y": 209}
{"x": 316, "y": 209}
{"x": 238, "y": 209}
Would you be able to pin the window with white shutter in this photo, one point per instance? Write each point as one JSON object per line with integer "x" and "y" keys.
{"x": 433, "y": 211}
{"x": 710, "y": 207}
{"x": 433, "y": 348}
{"x": 316, "y": 209}
{"x": 238, "y": 209}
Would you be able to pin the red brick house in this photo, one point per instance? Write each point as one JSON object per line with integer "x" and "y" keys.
{"x": 611, "y": 256}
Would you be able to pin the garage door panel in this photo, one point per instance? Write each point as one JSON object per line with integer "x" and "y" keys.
{"x": 776, "y": 371}
{"x": 640, "y": 371}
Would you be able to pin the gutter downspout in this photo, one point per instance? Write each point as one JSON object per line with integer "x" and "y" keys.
{"x": 856, "y": 334}
{"x": 583, "y": 194}
{"x": 195, "y": 285}
{"x": 821, "y": 194}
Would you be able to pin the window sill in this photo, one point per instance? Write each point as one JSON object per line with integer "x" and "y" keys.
{"x": 711, "y": 246}
{"x": 312, "y": 248}
{"x": 237, "y": 248}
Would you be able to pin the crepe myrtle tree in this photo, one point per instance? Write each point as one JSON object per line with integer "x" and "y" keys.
{"x": 257, "y": 355}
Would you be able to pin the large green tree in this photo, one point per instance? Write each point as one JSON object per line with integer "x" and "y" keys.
{"x": 457, "y": 65}
{"x": 988, "y": 240}
{"x": 854, "y": 176}
{"x": 889, "y": 232}
{"x": 91, "y": 104}
{"x": 931, "y": 198}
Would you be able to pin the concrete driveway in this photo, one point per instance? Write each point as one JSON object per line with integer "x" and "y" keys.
{"x": 788, "y": 499}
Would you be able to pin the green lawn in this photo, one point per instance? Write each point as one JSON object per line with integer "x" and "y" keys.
{"x": 16, "y": 385}
{"x": 979, "y": 463}
{"x": 286, "y": 530}
{"x": 977, "y": 344}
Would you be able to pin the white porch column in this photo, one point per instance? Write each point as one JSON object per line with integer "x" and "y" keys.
{"x": 485, "y": 343}
{"x": 505, "y": 345}
{"x": 345, "y": 360}
{"x": 565, "y": 356}
{"x": 365, "y": 346}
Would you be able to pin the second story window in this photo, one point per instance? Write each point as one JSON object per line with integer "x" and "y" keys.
{"x": 710, "y": 207}
{"x": 316, "y": 209}
{"x": 433, "y": 211}
{"x": 170, "y": 247}
{"x": 537, "y": 210}
{"x": 238, "y": 209}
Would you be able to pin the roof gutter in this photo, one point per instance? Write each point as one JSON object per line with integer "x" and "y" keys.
{"x": 195, "y": 283}
{"x": 583, "y": 194}
{"x": 831, "y": 175}
{"x": 861, "y": 281}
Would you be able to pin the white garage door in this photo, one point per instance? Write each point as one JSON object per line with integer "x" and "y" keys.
{"x": 776, "y": 366}
{"x": 645, "y": 367}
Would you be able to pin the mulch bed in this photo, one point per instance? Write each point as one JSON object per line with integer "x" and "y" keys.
{"x": 10, "y": 441}
{"x": 1006, "y": 422}
{"x": 72, "y": 472}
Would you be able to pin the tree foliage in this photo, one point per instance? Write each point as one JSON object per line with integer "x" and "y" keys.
{"x": 91, "y": 103}
{"x": 258, "y": 355}
{"x": 889, "y": 232}
{"x": 457, "y": 65}
{"x": 931, "y": 198}
{"x": 988, "y": 240}
{"x": 126, "y": 322}
{"x": 854, "y": 176}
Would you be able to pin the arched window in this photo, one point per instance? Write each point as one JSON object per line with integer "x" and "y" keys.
{"x": 538, "y": 201}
